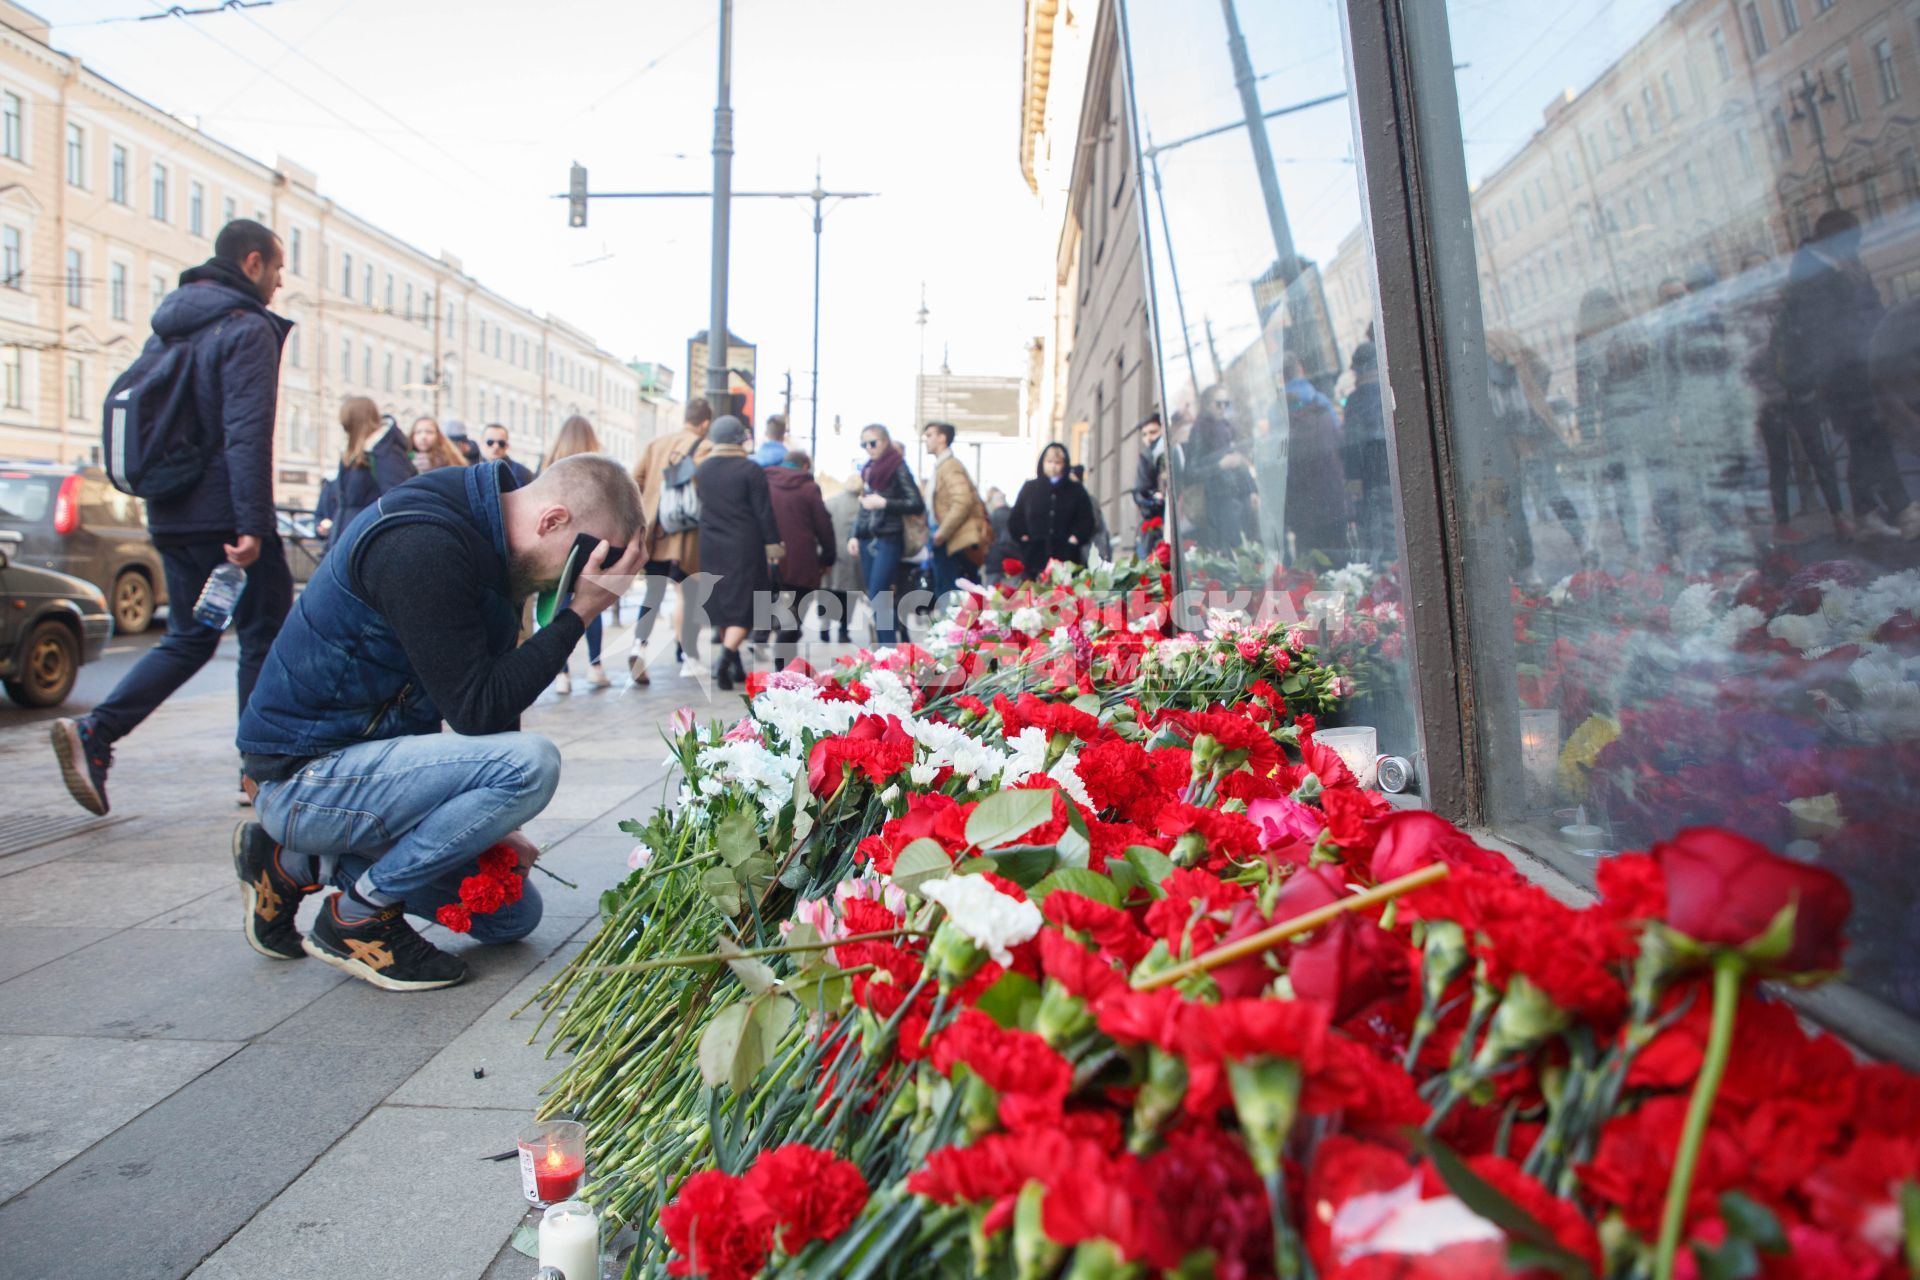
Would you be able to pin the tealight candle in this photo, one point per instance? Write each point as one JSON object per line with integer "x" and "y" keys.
{"x": 1357, "y": 746}
{"x": 553, "y": 1159}
{"x": 570, "y": 1240}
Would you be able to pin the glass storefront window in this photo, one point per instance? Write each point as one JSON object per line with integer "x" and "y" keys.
{"x": 1263, "y": 292}
{"x": 1685, "y": 407}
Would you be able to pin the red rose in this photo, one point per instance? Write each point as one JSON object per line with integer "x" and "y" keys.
{"x": 1350, "y": 963}
{"x": 721, "y": 1227}
{"x": 812, "y": 1194}
{"x": 1724, "y": 888}
{"x": 1411, "y": 839}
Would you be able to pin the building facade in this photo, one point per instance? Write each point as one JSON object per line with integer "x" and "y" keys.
{"x": 105, "y": 199}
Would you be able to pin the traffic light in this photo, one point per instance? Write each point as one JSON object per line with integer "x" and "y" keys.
{"x": 577, "y": 196}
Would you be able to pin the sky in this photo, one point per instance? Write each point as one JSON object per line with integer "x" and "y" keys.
{"x": 451, "y": 123}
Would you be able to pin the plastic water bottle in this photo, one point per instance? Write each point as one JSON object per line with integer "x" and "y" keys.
{"x": 217, "y": 599}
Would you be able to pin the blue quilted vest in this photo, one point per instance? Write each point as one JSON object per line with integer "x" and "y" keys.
{"x": 336, "y": 675}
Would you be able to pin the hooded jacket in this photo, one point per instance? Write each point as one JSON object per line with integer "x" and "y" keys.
{"x": 805, "y": 527}
{"x": 236, "y": 345}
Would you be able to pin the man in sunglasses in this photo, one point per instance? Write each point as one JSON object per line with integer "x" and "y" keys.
{"x": 493, "y": 448}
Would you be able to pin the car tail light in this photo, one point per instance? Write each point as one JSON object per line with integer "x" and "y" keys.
{"x": 66, "y": 506}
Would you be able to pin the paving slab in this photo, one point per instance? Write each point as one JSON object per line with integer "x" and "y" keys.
{"x": 497, "y": 1043}
{"x": 27, "y": 947}
{"x": 167, "y": 1189}
{"x": 60, "y": 1095}
{"x": 202, "y": 839}
{"x": 95, "y": 895}
{"x": 175, "y": 984}
{"x": 367, "y": 1199}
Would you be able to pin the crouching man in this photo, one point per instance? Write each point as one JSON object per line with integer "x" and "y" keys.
{"x": 411, "y": 620}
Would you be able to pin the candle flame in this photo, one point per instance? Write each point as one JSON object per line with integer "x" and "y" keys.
{"x": 554, "y": 1158}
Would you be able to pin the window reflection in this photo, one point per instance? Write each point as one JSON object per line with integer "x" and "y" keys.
{"x": 1264, "y": 296}
{"x": 1696, "y": 527}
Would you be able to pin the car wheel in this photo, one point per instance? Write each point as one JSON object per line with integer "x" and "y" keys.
{"x": 49, "y": 665}
{"x": 132, "y": 602}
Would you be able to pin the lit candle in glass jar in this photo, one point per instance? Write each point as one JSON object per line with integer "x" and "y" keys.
{"x": 1358, "y": 747}
{"x": 553, "y": 1159}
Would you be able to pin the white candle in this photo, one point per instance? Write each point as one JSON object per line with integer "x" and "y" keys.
{"x": 570, "y": 1240}
{"x": 1357, "y": 746}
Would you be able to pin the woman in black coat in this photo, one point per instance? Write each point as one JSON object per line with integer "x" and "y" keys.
{"x": 375, "y": 460}
{"x": 888, "y": 496}
{"x": 738, "y": 536}
{"x": 1053, "y": 516}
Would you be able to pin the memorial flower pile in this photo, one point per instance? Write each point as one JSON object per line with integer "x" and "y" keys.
{"x": 1093, "y": 962}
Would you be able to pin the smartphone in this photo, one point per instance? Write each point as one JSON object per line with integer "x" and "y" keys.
{"x": 548, "y": 603}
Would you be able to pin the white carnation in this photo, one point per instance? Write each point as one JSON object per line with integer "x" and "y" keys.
{"x": 1068, "y": 777}
{"x": 1027, "y": 621}
{"x": 995, "y": 922}
{"x": 1028, "y": 755}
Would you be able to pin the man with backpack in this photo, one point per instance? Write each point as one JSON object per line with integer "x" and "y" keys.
{"x": 672, "y": 510}
{"x": 203, "y": 460}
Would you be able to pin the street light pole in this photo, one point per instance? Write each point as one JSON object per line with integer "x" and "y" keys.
{"x": 717, "y": 356}
{"x": 1817, "y": 95}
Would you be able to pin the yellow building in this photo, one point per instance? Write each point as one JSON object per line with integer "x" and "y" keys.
{"x": 106, "y": 198}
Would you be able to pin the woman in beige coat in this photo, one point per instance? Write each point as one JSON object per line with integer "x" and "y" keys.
{"x": 671, "y": 557}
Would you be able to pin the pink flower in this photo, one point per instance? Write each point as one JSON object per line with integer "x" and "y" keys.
{"x": 744, "y": 730}
{"x": 817, "y": 912}
{"x": 682, "y": 721}
{"x": 639, "y": 858}
{"x": 1282, "y": 820}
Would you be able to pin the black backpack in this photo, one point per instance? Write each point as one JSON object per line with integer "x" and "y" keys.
{"x": 156, "y": 441}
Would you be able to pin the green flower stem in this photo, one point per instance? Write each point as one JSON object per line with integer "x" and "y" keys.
{"x": 716, "y": 957}
{"x": 1729, "y": 969}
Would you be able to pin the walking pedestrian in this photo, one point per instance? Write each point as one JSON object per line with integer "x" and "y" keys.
{"x": 431, "y": 448}
{"x": 1365, "y": 434}
{"x": 1053, "y": 516}
{"x": 773, "y": 445}
{"x": 961, "y": 530}
{"x": 806, "y": 531}
{"x": 1316, "y": 479}
{"x": 665, "y": 474}
{"x": 1150, "y": 486}
{"x": 1617, "y": 383}
{"x": 220, "y": 310}
{"x": 414, "y": 621}
{"x": 1003, "y": 547}
{"x": 1101, "y": 541}
{"x": 1832, "y": 310}
{"x": 1761, "y": 326}
{"x": 738, "y": 538}
{"x": 496, "y": 443}
{"x": 841, "y": 583}
{"x": 577, "y": 436}
{"x": 374, "y": 461}
{"x": 456, "y": 432}
{"x": 888, "y": 499}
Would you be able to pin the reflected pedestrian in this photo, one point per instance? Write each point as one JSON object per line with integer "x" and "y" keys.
{"x": 1149, "y": 490}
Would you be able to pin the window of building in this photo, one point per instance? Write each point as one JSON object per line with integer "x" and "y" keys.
{"x": 366, "y": 364}
{"x": 346, "y": 357}
{"x": 366, "y": 279}
{"x": 496, "y": 342}
{"x": 1870, "y": 196}
{"x": 346, "y": 274}
{"x": 196, "y": 209}
{"x": 76, "y": 155}
{"x": 12, "y": 376}
{"x": 76, "y": 278}
{"x": 117, "y": 173}
{"x": 227, "y": 211}
{"x": 1910, "y": 176}
{"x": 1848, "y": 92}
{"x": 1789, "y": 17}
{"x": 1782, "y": 137}
{"x": 12, "y": 273}
{"x": 406, "y": 373}
{"x": 293, "y": 348}
{"x": 1888, "y": 74}
{"x": 481, "y": 332}
{"x": 1651, "y": 105}
{"x": 408, "y": 295}
{"x": 76, "y": 387}
{"x": 12, "y": 127}
{"x": 160, "y": 204}
{"x": 158, "y": 286}
{"x": 1722, "y": 62}
{"x": 294, "y": 251}
{"x": 1745, "y": 148}
{"x": 389, "y": 293}
{"x": 1673, "y": 93}
{"x": 117, "y": 290}
{"x": 1756, "y": 29}
{"x": 386, "y": 372}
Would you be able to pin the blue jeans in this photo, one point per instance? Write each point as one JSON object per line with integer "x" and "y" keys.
{"x": 948, "y": 569}
{"x": 594, "y": 633}
{"x": 188, "y": 645}
{"x": 880, "y": 575}
{"x": 415, "y": 813}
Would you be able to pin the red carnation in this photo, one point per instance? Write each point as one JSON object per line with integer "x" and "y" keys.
{"x": 482, "y": 894}
{"x": 1724, "y": 888}
{"x": 812, "y": 1194}
{"x": 1012, "y": 567}
{"x": 719, "y": 1225}
{"x": 455, "y": 917}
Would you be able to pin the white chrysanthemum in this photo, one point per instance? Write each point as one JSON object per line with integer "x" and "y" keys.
{"x": 922, "y": 775}
{"x": 1027, "y": 621}
{"x": 949, "y": 746}
{"x": 765, "y": 775}
{"x": 1737, "y": 621}
{"x": 792, "y": 713}
{"x": 1692, "y": 610}
{"x": 1352, "y": 580}
{"x": 1802, "y": 631}
{"x": 994, "y": 922}
{"x": 1027, "y": 757}
{"x": 989, "y": 619}
{"x": 1062, "y": 638}
{"x": 888, "y": 695}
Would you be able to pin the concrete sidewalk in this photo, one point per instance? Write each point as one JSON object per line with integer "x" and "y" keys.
{"x": 172, "y": 1104}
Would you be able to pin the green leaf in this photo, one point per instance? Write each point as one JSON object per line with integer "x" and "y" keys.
{"x": 720, "y": 1044}
{"x": 1751, "y": 1220}
{"x": 802, "y": 807}
{"x": 1087, "y": 702}
{"x": 1153, "y": 866}
{"x": 820, "y": 988}
{"x": 919, "y": 862}
{"x": 1005, "y": 816}
{"x": 766, "y": 1023}
{"x": 1027, "y": 865}
{"x": 526, "y": 1239}
{"x": 718, "y": 883}
{"x": 1010, "y": 999}
{"x": 1074, "y": 849}
{"x": 737, "y": 838}
{"x": 975, "y": 866}
{"x": 755, "y": 975}
{"x": 1125, "y": 877}
{"x": 1090, "y": 884}
{"x": 757, "y": 869}
{"x": 1520, "y": 1226}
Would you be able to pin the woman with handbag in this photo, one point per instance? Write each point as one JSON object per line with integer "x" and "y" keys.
{"x": 672, "y": 506}
{"x": 891, "y": 526}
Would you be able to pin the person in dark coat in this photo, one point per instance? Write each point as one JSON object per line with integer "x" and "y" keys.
{"x": 375, "y": 460}
{"x": 1053, "y": 516}
{"x": 738, "y": 536}
{"x": 1316, "y": 478}
{"x": 806, "y": 531}
{"x": 1149, "y": 490}
{"x": 227, "y": 517}
{"x": 1003, "y": 548}
{"x": 1367, "y": 455}
{"x": 888, "y": 496}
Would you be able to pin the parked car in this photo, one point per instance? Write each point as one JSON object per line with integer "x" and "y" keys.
{"x": 304, "y": 544}
{"x": 72, "y": 520}
{"x": 50, "y": 624}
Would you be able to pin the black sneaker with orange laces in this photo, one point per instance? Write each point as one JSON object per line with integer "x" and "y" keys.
{"x": 382, "y": 949}
{"x": 84, "y": 758}
{"x": 270, "y": 895}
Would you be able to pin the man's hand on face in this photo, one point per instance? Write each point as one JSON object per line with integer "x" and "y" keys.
{"x": 602, "y": 584}
{"x": 525, "y": 848}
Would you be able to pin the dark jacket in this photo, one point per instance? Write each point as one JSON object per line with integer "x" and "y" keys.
{"x": 736, "y": 528}
{"x": 1004, "y": 546}
{"x": 357, "y": 488}
{"x": 521, "y": 474}
{"x": 338, "y": 673}
{"x": 1045, "y": 516}
{"x": 1149, "y": 489}
{"x": 805, "y": 527}
{"x": 236, "y": 368}
{"x": 903, "y": 500}
{"x": 1828, "y": 321}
